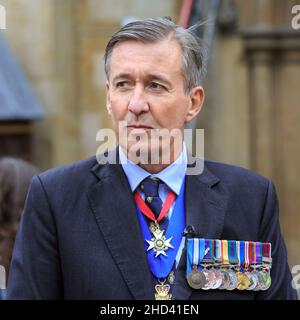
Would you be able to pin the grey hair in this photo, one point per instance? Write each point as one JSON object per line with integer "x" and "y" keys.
{"x": 157, "y": 29}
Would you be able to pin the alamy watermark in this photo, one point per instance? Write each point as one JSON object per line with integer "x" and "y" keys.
{"x": 153, "y": 146}
{"x": 2, "y": 277}
{"x": 296, "y": 277}
{"x": 2, "y": 18}
{"x": 296, "y": 19}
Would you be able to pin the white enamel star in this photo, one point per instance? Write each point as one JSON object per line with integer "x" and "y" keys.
{"x": 159, "y": 243}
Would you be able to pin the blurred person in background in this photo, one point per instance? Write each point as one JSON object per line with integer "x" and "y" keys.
{"x": 15, "y": 177}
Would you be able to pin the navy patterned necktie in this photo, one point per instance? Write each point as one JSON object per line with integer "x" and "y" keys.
{"x": 149, "y": 186}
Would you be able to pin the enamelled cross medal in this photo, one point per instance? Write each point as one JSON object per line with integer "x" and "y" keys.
{"x": 159, "y": 243}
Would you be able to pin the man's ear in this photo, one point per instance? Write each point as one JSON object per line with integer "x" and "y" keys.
{"x": 197, "y": 96}
{"x": 108, "y": 106}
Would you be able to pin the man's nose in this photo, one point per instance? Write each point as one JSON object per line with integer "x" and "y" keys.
{"x": 138, "y": 102}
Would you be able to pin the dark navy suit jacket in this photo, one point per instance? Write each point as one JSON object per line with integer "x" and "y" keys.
{"x": 79, "y": 236}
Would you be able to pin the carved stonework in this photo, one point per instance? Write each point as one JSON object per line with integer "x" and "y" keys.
{"x": 273, "y": 59}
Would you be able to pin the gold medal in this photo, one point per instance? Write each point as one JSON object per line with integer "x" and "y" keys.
{"x": 243, "y": 281}
{"x": 162, "y": 291}
{"x": 153, "y": 227}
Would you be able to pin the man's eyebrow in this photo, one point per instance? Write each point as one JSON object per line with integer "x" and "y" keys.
{"x": 121, "y": 76}
{"x": 155, "y": 77}
{"x": 150, "y": 77}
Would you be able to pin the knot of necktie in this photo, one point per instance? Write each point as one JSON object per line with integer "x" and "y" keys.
{"x": 149, "y": 187}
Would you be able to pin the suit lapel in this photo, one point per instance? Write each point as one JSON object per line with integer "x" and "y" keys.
{"x": 113, "y": 206}
{"x": 205, "y": 211}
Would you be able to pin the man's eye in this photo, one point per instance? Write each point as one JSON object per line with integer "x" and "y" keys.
{"x": 156, "y": 86}
{"x": 122, "y": 84}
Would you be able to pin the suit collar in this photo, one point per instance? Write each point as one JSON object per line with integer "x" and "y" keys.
{"x": 172, "y": 175}
{"x": 104, "y": 161}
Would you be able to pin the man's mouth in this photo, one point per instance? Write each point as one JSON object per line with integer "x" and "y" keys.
{"x": 139, "y": 126}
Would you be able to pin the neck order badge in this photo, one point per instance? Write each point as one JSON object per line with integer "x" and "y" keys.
{"x": 161, "y": 264}
{"x": 158, "y": 243}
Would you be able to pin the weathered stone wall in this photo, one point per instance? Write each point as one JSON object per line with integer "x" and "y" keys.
{"x": 60, "y": 46}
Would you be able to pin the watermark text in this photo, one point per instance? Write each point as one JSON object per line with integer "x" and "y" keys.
{"x": 296, "y": 277}
{"x": 296, "y": 19}
{"x": 144, "y": 146}
{"x": 2, "y": 18}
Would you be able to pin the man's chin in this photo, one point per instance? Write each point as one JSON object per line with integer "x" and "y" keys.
{"x": 143, "y": 154}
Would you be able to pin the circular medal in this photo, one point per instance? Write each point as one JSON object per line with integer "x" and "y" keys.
{"x": 225, "y": 280}
{"x": 171, "y": 278}
{"x": 260, "y": 281}
{"x": 218, "y": 278}
{"x": 210, "y": 279}
{"x": 243, "y": 281}
{"x": 233, "y": 280}
{"x": 266, "y": 280}
{"x": 253, "y": 280}
{"x": 196, "y": 279}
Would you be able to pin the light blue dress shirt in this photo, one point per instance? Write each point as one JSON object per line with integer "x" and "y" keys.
{"x": 172, "y": 176}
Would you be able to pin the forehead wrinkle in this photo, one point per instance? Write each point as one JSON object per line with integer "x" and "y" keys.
{"x": 132, "y": 59}
{"x": 134, "y": 51}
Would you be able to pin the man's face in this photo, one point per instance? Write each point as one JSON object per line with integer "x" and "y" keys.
{"x": 146, "y": 89}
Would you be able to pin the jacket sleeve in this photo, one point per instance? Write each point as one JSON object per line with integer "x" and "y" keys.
{"x": 35, "y": 271}
{"x": 281, "y": 287}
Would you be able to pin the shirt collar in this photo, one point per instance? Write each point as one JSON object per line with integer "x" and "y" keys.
{"x": 172, "y": 175}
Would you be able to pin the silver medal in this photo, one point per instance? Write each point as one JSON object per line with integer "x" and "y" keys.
{"x": 218, "y": 278}
{"x": 253, "y": 280}
{"x": 209, "y": 277}
{"x": 233, "y": 280}
{"x": 225, "y": 280}
{"x": 196, "y": 279}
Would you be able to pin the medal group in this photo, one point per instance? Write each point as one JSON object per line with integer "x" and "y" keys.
{"x": 228, "y": 264}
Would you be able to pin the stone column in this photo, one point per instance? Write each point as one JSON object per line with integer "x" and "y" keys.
{"x": 273, "y": 59}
